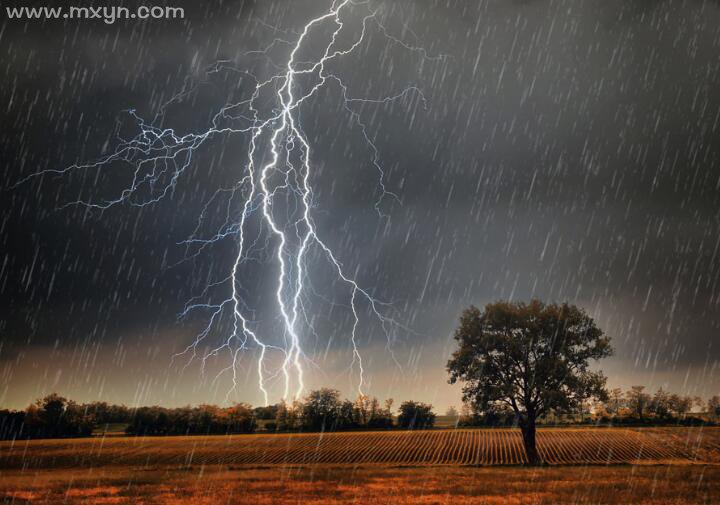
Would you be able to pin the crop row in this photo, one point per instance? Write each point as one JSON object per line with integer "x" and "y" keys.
{"x": 439, "y": 447}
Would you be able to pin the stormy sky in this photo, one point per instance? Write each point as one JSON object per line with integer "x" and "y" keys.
{"x": 566, "y": 149}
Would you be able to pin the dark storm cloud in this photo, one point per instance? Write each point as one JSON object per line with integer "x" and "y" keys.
{"x": 568, "y": 151}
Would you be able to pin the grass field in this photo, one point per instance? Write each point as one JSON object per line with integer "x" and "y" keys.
{"x": 368, "y": 485}
{"x": 587, "y": 466}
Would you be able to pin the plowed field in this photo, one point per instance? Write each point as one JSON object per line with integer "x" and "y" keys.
{"x": 557, "y": 446}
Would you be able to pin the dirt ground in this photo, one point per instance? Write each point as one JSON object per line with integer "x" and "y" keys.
{"x": 492, "y": 447}
{"x": 330, "y": 485}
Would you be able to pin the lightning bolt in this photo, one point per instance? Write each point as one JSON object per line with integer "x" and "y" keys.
{"x": 160, "y": 157}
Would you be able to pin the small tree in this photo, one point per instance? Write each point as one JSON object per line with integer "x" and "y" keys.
{"x": 240, "y": 418}
{"x": 615, "y": 401}
{"x": 321, "y": 409}
{"x": 361, "y": 410}
{"x": 288, "y": 417}
{"x": 661, "y": 404}
{"x": 699, "y": 403}
{"x": 416, "y": 415}
{"x": 585, "y": 408}
{"x": 267, "y": 413}
{"x": 638, "y": 401}
{"x": 680, "y": 405}
{"x": 52, "y": 410}
{"x": 713, "y": 406}
{"x": 467, "y": 417}
{"x": 531, "y": 358}
{"x": 388, "y": 407}
{"x": 600, "y": 411}
{"x": 346, "y": 417}
{"x": 380, "y": 417}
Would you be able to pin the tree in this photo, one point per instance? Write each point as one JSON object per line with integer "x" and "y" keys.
{"x": 388, "y": 407}
{"x": 362, "y": 410}
{"x": 13, "y": 424}
{"x": 152, "y": 421}
{"x": 321, "y": 409}
{"x": 638, "y": 401}
{"x": 585, "y": 408}
{"x": 713, "y": 406}
{"x": 699, "y": 403}
{"x": 346, "y": 417}
{"x": 268, "y": 412}
{"x": 680, "y": 405}
{"x": 600, "y": 412}
{"x": 452, "y": 414}
{"x": 288, "y": 417}
{"x": 467, "y": 417}
{"x": 103, "y": 414}
{"x": 416, "y": 415}
{"x": 530, "y": 358}
{"x": 55, "y": 416}
{"x": 615, "y": 401}
{"x": 380, "y": 417}
{"x": 240, "y": 418}
{"x": 52, "y": 408}
{"x": 661, "y": 404}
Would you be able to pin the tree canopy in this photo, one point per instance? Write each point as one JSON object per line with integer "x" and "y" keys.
{"x": 528, "y": 357}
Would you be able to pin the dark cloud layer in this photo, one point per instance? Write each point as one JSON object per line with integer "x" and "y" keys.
{"x": 568, "y": 151}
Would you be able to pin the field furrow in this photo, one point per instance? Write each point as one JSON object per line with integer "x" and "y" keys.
{"x": 557, "y": 446}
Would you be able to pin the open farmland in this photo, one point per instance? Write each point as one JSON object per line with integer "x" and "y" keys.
{"x": 366, "y": 485}
{"x": 558, "y": 446}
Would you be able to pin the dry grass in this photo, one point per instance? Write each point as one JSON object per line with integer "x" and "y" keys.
{"x": 328, "y": 485}
{"x": 369, "y": 468}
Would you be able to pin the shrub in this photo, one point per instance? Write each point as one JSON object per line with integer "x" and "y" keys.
{"x": 416, "y": 415}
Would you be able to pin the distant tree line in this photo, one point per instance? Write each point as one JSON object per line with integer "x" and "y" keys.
{"x": 323, "y": 410}
{"x": 633, "y": 406}
{"x": 199, "y": 420}
{"x": 637, "y": 406}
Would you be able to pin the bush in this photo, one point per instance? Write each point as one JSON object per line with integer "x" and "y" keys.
{"x": 416, "y": 415}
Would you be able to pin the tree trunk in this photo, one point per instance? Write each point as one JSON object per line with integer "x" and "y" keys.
{"x": 528, "y": 434}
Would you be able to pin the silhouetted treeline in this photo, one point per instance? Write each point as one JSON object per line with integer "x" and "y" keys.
{"x": 631, "y": 407}
{"x": 200, "y": 420}
{"x": 50, "y": 417}
{"x": 55, "y": 416}
{"x": 321, "y": 410}
{"x": 635, "y": 406}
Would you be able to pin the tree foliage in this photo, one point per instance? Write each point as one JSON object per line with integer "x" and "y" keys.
{"x": 321, "y": 410}
{"x": 49, "y": 417}
{"x": 200, "y": 420}
{"x": 528, "y": 357}
{"x": 416, "y": 415}
{"x": 713, "y": 406}
{"x": 638, "y": 401}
